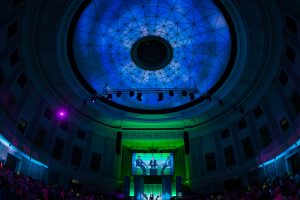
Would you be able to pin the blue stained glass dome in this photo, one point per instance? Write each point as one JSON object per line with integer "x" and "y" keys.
{"x": 192, "y": 41}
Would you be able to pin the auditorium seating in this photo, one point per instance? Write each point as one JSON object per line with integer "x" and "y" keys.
{"x": 14, "y": 186}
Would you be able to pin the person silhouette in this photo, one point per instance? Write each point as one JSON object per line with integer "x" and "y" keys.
{"x": 140, "y": 163}
{"x": 153, "y": 166}
{"x": 166, "y": 164}
{"x": 153, "y": 163}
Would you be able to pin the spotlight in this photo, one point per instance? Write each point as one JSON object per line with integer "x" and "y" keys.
{"x": 184, "y": 93}
{"x": 192, "y": 96}
{"x": 61, "y": 114}
{"x": 160, "y": 96}
{"x": 119, "y": 93}
{"x": 109, "y": 97}
{"x": 139, "y": 96}
{"x": 208, "y": 97}
{"x": 171, "y": 93}
{"x": 131, "y": 93}
{"x": 94, "y": 98}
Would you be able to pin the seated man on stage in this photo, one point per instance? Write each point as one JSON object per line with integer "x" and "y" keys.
{"x": 153, "y": 165}
{"x": 166, "y": 164}
{"x": 141, "y": 164}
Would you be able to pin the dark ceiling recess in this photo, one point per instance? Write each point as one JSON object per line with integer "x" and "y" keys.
{"x": 151, "y": 52}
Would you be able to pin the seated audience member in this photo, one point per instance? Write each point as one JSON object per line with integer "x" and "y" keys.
{"x": 14, "y": 187}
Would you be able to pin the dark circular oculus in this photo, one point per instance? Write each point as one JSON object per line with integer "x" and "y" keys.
{"x": 151, "y": 52}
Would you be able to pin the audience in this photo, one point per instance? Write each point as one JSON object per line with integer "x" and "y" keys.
{"x": 19, "y": 187}
{"x": 282, "y": 188}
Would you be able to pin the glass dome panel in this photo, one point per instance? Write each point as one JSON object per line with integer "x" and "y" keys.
{"x": 106, "y": 32}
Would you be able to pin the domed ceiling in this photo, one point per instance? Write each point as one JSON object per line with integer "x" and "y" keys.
{"x": 159, "y": 55}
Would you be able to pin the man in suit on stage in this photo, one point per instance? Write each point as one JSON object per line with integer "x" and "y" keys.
{"x": 141, "y": 164}
{"x": 166, "y": 164}
{"x": 153, "y": 165}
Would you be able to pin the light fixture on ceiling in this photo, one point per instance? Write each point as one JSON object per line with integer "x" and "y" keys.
{"x": 192, "y": 96}
{"x": 160, "y": 96}
{"x": 62, "y": 114}
{"x": 109, "y": 97}
{"x": 208, "y": 97}
{"x": 93, "y": 100}
{"x": 109, "y": 93}
{"x": 139, "y": 96}
{"x": 131, "y": 93}
{"x": 119, "y": 93}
